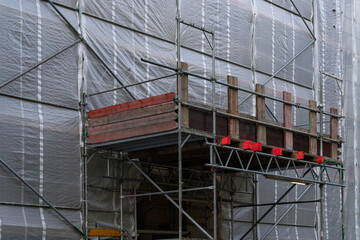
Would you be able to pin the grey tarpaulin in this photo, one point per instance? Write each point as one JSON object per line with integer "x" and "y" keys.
{"x": 41, "y": 139}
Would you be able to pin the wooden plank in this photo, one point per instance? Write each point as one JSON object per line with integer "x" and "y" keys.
{"x": 312, "y": 128}
{"x": 145, "y": 102}
{"x": 133, "y": 123}
{"x": 133, "y": 114}
{"x": 233, "y": 107}
{"x": 132, "y": 132}
{"x": 260, "y": 114}
{"x": 184, "y": 96}
{"x": 104, "y": 233}
{"x": 334, "y": 133}
{"x": 287, "y": 116}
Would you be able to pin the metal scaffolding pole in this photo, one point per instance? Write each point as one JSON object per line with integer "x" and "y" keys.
{"x": 213, "y": 81}
{"x": 285, "y": 213}
{"x": 121, "y": 201}
{"x": 255, "y": 207}
{"x": 179, "y": 94}
{"x": 92, "y": 51}
{"x": 169, "y": 198}
{"x": 184, "y": 46}
{"x": 135, "y": 215}
{"x": 297, "y": 105}
{"x": 42, "y": 198}
{"x": 267, "y": 212}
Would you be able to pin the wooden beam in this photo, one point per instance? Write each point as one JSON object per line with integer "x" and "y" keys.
{"x": 132, "y": 132}
{"x": 184, "y": 95}
{"x": 233, "y": 107}
{"x": 133, "y": 114}
{"x": 334, "y": 133}
{"x": 104, "y": 233}
{"x": 145, "y": 102}
{"x": 312, "y": 127}
{"x": 132, "y": 123}
{"x": 260, "y": 114}
{"x": 287, "y": 117}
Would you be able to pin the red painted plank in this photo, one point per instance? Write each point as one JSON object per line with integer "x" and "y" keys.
{"x": 132, "y": 132}
{"x": 133, "y": 114}
{"x": 132, "y": 123}
{"x": 145, "y": 102}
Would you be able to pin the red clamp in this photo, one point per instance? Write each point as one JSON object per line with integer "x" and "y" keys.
{"x": 300, "y": 155}
{"x": 277, "y": 151}
{"x": 247, "y": 145}
{"x": 256, "y": 147}
{"x": 225, "y": 141}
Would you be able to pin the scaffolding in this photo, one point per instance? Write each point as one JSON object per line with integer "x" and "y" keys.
{"x": 287, "y": 169}
{"x": 312, "y": 174}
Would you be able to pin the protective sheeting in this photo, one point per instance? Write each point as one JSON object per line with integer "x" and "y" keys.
{"x": 40, "y": 137}
{"x": 40, "y": 125}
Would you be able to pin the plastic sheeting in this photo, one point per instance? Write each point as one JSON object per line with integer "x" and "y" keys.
{"x": 254, "y": 38}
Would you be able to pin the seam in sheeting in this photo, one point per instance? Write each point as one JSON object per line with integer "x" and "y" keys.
{"x": 253, "y": 53}
{"x": 339, "y": 64}
{"x": 274, "y": 89}
{"x": 323, "y": 78}
{"x": 203, "y": 48}
{"x": 115, "y": 57}
{"x": 315, "y": 84}
{"x": 273, "y": 52}
{"x": 228, "y": 35}
{"x": 41, "y": 120}
{"x": 294, "y": 109}
{"x": 133, "y": 42}
{"x": 146, "y": 5}
{"x": 355, "y": 109}
{"x": 115, "y": 48}
{"x": 80, "y": 85}
{"x": 23, "y": 122}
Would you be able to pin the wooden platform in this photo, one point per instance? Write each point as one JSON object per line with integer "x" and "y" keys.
{"x": 136, "y": 118}
{"x": 148, "y": 128}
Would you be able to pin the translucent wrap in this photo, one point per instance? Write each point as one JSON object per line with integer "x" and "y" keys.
{"x": 46, "y": 65}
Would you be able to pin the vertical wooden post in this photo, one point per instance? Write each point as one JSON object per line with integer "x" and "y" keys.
{"x": 233, "y": 107}
{"x": 312, "y": 128}
{"x": 334, "y": 133}
{"x": 184, "y": 95}
{"x": 287, "y": 116}
{"x": 260, "y": 114}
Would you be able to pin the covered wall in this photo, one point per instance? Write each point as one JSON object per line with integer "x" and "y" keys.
{"x": 40, "y": 124}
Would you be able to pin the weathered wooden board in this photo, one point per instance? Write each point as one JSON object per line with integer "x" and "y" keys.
{"x": 132, "y": 132}
{"x": 132, "y": 123}
{"x": 133, "y": 114}
{"x": 145, "y": 102}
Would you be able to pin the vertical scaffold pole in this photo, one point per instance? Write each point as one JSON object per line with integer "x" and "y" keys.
{"x": 83, "y": 107}
{"x": 135, "y": 215}
{"x": 255, "y": 208}
{"x": 121, "y": 200}
{"x": 321, "y": 186}
{"x": 214, "y": 128}
{"x": 178, "y": 53}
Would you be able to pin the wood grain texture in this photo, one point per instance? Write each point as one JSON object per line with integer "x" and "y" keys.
{"x": 287, "y": 116}
{"x": 133, "y": 114}
{"x": 145, "y": 102}
{"x": 260, "y": 114}
{"x": 334, "y": 133}
{"x": 233, "y": 107}
{"x": 312, "y": 128}
{"x": 132, "y": 132}
{"x": 165, "y": 117}
{"x": 184, "y": 95}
